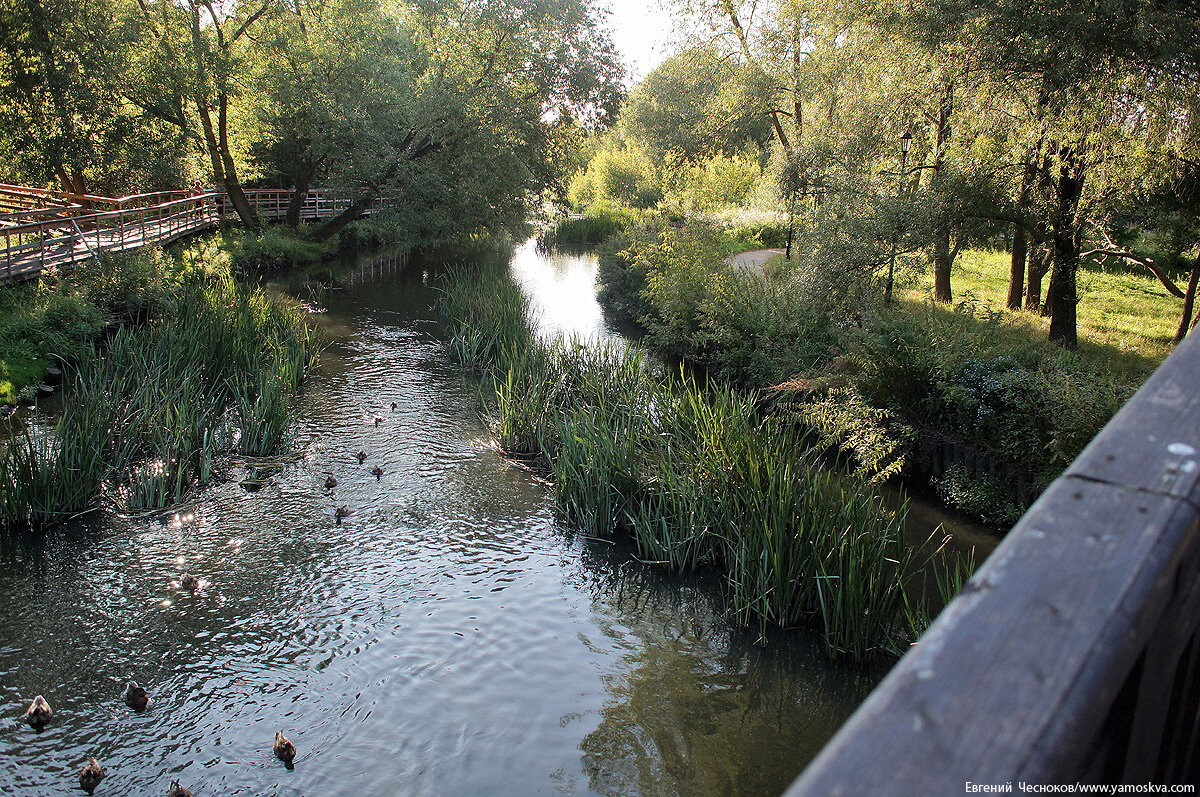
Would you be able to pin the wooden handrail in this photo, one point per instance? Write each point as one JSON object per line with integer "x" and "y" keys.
{"x": 61, "y": 235}
{"x": 1072, "y": 655}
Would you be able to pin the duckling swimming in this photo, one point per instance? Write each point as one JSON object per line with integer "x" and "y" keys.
{"x": 136, "y": 697}
{"x": 362, "y": 456}
{"x": 39, "y": 712}
{"x": 178, "y": 791}
{"x": 91, "y": 775}
{"x": 189, "y": 582}
{"x": 330, "y": 483}
{"x": 377, "y": 472}
{"x": 285, "y": 751}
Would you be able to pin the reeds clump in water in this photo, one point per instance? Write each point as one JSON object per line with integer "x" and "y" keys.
{"x": 146, "y": 422}
{"x": 692, "y": 473}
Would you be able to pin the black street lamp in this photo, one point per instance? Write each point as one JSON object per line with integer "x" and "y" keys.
{"x": 905, "y": 143}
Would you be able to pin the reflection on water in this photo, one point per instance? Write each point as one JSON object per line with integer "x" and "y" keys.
{"x": 561, "y": 288}
{"x": 449, "y": 637}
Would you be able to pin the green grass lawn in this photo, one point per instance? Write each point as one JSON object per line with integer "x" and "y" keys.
{"x": 1126, "y": 319}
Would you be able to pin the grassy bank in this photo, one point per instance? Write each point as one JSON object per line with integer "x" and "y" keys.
{"x": 1126, "y": 319}
{"x": 868, "y": 377}
{"x": 211, "y": 373}
{"x": 696, "y": 476}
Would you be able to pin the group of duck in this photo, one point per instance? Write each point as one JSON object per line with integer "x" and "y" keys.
{"x": 39, "y": 714}
{"x": 344, "y": 510}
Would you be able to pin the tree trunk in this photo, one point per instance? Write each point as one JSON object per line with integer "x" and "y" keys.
{"x": 942, "y": 262}
{"x": 1189, "y": 298}
{"x": 296, "y": 203}
{"x": 233, "y": 187}
{"x": 1016, "y": 273}
{"x": 1039, "y": 264}
{"x": 336, "y": 224}
{"x": 1063, "y": 295}
{"x": 943, "y": 258}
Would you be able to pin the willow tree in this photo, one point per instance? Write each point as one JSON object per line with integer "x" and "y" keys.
{"x": 1097, "y": 75}
{"x": 189, "y": 68}
{"x": 61, "y": 116}
{"x": 445, "y": 108}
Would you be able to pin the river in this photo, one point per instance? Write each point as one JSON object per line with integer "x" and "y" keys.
{"x": 450, "y": 637}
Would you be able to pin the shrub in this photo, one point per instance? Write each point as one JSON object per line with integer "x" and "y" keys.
{"x": 595, "y": 226}
{"x": 984, "y": 497}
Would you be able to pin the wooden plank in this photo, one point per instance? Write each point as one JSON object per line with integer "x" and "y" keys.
{"x": 1016, "y": 677}
{"x": 1153, "y": 443}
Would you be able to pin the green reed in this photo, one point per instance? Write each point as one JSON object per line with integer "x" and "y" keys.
{"x": 692, "y": 473}
{"x": 149, "y": 420}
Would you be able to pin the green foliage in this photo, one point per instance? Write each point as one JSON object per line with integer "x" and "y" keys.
{"x": 695, "y": 105}
{"x": 595, "y": 226}
{"x": 617, "y": 174}
{"x": 274, "y": 247}
{"x": 721, "y": 182}
{"x": 982, "y": 497}
{"x": 962, "y": 371}
{"x": 756, "y": 332}
{"x": 878, "y": 441}
{"x": 682, "y": 268}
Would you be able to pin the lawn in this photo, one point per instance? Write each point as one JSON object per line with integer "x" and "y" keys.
{"x": 1126, "y": 318}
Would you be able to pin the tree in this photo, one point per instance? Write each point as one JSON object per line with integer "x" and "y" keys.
{"x": 61, "y": 116}
{"x": 695, "y": 105}
{"x": 192, "y": 66}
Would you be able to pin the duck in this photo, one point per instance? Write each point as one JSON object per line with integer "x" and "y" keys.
{"x": 285, "y": 751}
{"x": 39, "y": 712}
{"x": 342, "y": 511}
{"x": 377, "y": 472}
{"x": 395, "y": 406}
{"x": 189, "y": 582}
{"x": 378, "y": 420}
{"x": 362, "y": 457}
{"x": 91, "y": 775}
{"x": 330, "y": 483}
{"x": 136, "y": 697}
{"x": 178, "y": 791}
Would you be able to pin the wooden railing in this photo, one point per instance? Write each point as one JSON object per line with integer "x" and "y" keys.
{"x": 1072, "y": 655}
{"x": 45, "y": 229}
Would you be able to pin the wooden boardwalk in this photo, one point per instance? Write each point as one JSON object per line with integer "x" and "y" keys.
{"x": 47, "y": 230}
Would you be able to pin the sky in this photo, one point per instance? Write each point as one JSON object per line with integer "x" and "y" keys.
{"x": 642, "y": 31}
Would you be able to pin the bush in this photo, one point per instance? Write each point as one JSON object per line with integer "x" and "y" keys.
{"x": 722, "y": 181}
{"x": 616, "y": 175}
{"x": 595, "y": 226}
{"x": 984, "y": 498}
{"x": 754, "y": 332}
{"x": 966, "y": 371}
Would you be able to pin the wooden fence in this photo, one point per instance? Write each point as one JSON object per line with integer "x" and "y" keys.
{"x": 47, "y": 229}
{"x": 1072, "y": 654}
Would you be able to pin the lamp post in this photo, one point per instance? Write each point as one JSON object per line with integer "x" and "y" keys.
{"x": 905, "y": 143}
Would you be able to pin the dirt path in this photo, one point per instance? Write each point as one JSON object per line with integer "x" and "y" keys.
{"x": 754, "y": 259}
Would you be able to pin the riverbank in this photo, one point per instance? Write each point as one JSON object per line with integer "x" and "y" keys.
{"x": 964, "y": 397}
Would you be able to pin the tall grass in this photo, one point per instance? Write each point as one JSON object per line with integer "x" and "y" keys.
{"x": 148, "y": 420}
{"x": 692, "y": 473}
